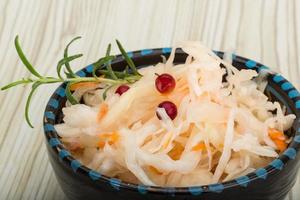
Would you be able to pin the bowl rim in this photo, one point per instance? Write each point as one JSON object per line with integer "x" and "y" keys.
{"x": 262, "y": 173}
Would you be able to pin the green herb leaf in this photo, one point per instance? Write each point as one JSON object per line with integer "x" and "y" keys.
{"x": 126, "y": 70}
{"x": 23, "y": 81}
{"x": 69, "y": 95}
{"x": 100, "y": 64}
{"x": 24, "y": 59}
{"x": 64, "y": 61}
{"x": 68, "y": 67}
{"x": 106, "y": 73}
{"x": 111, "y": 72}
{"x": 104, "y": 95}
{"x": 34, "y": 87}
{"x": 128, "y": 60}
{"x": 68, "y": 75}
{"x": 49, "y": 79}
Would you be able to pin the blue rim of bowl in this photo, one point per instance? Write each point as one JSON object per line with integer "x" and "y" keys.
{"x": 262, "y": 173}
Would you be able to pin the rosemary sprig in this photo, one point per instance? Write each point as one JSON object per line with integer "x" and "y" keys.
{"x": 65, "y": 61}
{"x": 33, "y": 89}
{"x": 109, "y": 69}
{"x": 104, "y": 95}
{"x": 69, "y": 95}
{"x": 128, "y": 60}
{"x": 68, "y": 67}
{"x": 24, "y": 59}
{"x": 102, "y": 66}
{"x": 13, "y": 84}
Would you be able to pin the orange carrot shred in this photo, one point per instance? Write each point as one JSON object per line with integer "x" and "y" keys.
{"x": 281, "y": 145}
{"x": 278, "y": 138}
{"x": 276, "y": 134}
{"x": 101, "y": 144}
{"x": 76, "y": 86}
{"x": 199, "y": 147}
{"x": 155, "y": 170}
{"x": 103, "y": 109}
{"x": 111, "y": 138}
{"x": 176, "y": 152}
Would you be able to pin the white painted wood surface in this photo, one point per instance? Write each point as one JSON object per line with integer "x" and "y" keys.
{"x": 266, "y": 31}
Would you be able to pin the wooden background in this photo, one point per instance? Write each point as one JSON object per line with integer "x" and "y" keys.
{"x": 266, "y": 31}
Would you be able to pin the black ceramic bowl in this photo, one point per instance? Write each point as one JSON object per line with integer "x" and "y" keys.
{"x": 271, "y": 182}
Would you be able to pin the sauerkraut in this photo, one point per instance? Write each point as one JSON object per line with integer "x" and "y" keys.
{"x": 225, "y": 127}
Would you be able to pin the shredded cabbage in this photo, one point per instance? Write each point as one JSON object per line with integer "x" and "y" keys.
{"x": 221, "y": 130}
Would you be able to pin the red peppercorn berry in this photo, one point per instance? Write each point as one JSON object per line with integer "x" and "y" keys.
{"x": 165, "y": 83}
{"x": 121, "y": 89}
{"x": 170, "y": 109}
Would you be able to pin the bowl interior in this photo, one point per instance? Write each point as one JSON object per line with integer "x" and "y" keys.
{"x": 278, "y": 89}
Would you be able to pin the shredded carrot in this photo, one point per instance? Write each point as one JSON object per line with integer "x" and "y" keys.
{"x": 199, "y": 147}
{"x": 103, "y": 109}
{"x": 276, "y": 134}
{"x": 76, "y": 86}
{"x": 110, "y": 138}
{"x": 104, "y": 136}
{"x": 113, "y": 138}
{"x": 101, "y": 144}
{"x": 176, "y": 152}
{"x": 189, "y": 131}
{"x": 155, "y": 170}
{"x": 281, "y": 145}
{"x": 278, "y": 138}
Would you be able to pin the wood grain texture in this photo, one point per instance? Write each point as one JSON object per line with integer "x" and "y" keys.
{"x": 266, "y": 31}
